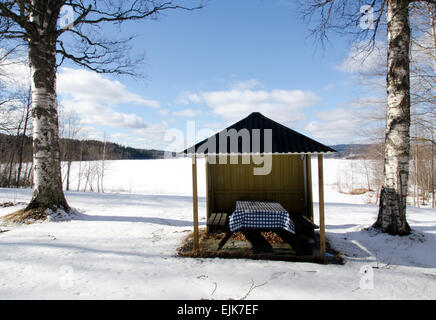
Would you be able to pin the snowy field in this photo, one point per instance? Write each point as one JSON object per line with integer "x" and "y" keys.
{"x": 123, "y": 246}
{"x": 173, "y": 176}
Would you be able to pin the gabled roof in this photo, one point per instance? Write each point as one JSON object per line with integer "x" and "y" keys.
{"x": 284, "y": 140}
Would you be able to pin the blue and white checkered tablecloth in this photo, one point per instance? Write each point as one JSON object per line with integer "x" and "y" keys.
{"x": 260, "y": 215}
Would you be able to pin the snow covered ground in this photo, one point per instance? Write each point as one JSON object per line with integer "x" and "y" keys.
{"x": 123, "y": 246}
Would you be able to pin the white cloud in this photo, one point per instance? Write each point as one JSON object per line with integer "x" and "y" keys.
{"x": 187, "y": 97}
{"x": 84, "y": 85}
{"x": 115, "y": 119}
{"x": 89, "y": 132}
{"x": 329, "y": 87}
{"x": 94, "y": 98}
{"x": 119, "y": 136}
{"x": 337, "y": 126}
{"x": 92, "y": 113}
{"x": 232, "y": 105}
{"x": 151, "y": 137}
{"x": 163, "y": 112}
{"x": 14, "y": 72}
{"x": 188, "y": 113}
{"x": 361, "y": 60}
{"x": 246, "y": 85}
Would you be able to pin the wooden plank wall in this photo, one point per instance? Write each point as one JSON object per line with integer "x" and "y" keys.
{"x": 309, "y": 209}
{"x": 228, "y": 183}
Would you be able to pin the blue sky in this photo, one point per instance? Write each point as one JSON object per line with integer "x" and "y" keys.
{"x": 214, "y": 66}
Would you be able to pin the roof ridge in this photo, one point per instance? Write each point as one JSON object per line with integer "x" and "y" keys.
{"x": 299, "y": 136}
{"x": 293, "y": 131}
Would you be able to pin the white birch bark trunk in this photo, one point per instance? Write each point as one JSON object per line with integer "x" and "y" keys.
{"x": 433, "y": 34}
{"x": 393, "y": 196}
{"x": 47, "y": 179}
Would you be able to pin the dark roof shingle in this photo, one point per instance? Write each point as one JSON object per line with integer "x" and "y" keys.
{"x": 284, "y": 140}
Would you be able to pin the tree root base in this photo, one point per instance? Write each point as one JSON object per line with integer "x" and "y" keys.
{"x": 392, "y": 230}
{"x": 24, "y": 216}
{"x": 35, "y": 215}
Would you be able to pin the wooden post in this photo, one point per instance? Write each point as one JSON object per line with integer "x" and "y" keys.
{"x": 309, "y": 185}
{"x": 306, "y": 195}
{"x": 321, "y": 208}
{"x": 195, "y": 201}
{"x": 206, "y": 164}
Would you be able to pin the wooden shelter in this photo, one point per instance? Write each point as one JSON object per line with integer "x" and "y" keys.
{"x": 231, "y": 169}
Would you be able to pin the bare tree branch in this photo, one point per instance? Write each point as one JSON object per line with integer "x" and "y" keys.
{"x": 82, "y": 41}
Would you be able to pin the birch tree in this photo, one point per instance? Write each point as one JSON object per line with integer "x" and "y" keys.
{"x": 366, "y": 20}
{"x": 371, "y": 71}
{"x": 55, "y": 31}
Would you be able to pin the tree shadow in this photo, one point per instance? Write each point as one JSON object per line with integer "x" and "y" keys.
{"x": 80, "y": 248}
{"x": 151, "y": 220}
{"x": 384, "y": 250}
{"x": 167, "y": 202}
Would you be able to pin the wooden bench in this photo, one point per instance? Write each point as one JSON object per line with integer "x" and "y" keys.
{"x": 304, "y": 228}
{"x": 303, "y": 225}
{"x": 218, "y": 222}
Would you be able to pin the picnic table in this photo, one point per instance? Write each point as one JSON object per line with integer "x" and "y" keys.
{"x": 253, "y": 217}
{"x": 260, "y": 215}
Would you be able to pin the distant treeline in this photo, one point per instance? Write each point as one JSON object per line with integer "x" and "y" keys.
{"x": 352, "y": 151}
{"x": 88, "y": 150}
{"x": 16, "y": 156}
{"x": 85, "y": 150}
